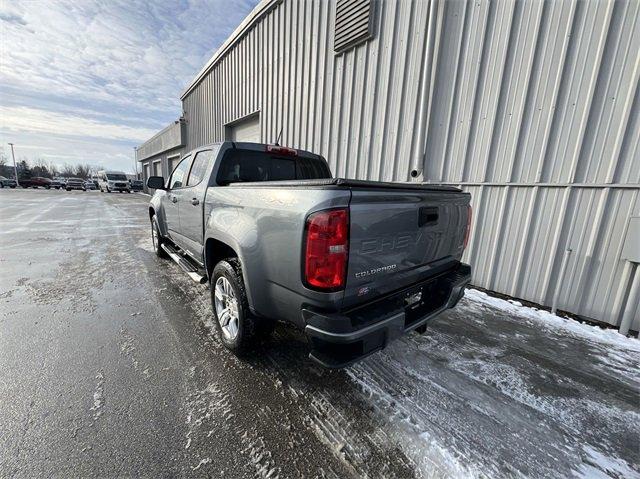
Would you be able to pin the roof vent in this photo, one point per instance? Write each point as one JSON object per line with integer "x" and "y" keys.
{"x": 353, "y": 23}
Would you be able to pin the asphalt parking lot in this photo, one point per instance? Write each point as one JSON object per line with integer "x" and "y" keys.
{"x": 109, "y": 368}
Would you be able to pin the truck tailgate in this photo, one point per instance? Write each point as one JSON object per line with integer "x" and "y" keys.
{"x": 401, "y": 236}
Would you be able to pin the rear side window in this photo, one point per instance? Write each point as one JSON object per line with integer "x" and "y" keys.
{"x": 200, "y": 163}
{"x": 248, "y": 165}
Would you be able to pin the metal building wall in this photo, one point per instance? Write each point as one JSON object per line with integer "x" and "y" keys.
{"x": 534, "y": 110}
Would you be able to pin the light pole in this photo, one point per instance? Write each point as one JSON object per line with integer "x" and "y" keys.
{"x": 15, "y": 168}
{"x": 135, "y": 161}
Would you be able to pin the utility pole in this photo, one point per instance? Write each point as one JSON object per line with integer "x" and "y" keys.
{"x": 135, "y": 162}
{"x": 15, "y": 168}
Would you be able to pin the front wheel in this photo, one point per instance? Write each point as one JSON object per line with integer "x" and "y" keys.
{"x": 157, "y": 239}
{"x": 239, "y": 330}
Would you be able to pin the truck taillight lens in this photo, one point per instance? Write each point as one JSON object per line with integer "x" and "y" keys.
{"x": 467, "y": 232}
{"x": 326, "y": 249}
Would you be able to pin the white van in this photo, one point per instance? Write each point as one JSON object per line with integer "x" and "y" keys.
{"x": 109, "y": 181}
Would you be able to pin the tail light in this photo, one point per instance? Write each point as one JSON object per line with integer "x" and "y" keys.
{"x": 326, "y": 249}
{"x": 467, "y": 232}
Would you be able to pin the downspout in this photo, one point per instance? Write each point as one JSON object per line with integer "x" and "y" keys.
{"x": 426, "y": 93}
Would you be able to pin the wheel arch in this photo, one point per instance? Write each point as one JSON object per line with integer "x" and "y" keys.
{"x": 216, "y": 250}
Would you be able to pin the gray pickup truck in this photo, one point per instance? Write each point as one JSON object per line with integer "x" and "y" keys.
{"x": 353, "y": 263}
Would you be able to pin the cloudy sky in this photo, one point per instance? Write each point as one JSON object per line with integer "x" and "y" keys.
{"x": 86, "y": 81}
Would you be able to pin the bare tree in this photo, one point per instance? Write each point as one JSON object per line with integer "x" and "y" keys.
{"x": 53, "y": 169}
{"x": 5, "y": 169}
{"x": 82, "y": 171}
{"x": 67, "y": 170}
{"x": 39, "y": 167}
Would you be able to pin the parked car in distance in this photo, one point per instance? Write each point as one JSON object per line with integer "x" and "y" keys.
{"x": 90, "y": 185}
{"x": 137, "y": 185}
{"x": 74, "y": 184}
{"x": 354, "y": 264}
{"x": 109, "y": 181}
{"x": 57, "y": 184}
{"x": 62, "y": 180}
{"x": 7, "y": 182}
{"x": 35, "y": 182}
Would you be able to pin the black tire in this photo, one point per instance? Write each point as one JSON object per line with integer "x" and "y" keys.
{"x": 250, "y": 328}
{"x": 68, "y": 189}
{"x": 13, "y": 186}
{"x": 157, "y": 239}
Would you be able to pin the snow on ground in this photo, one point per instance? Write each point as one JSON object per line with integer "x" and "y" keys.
{"x": 497, "y": 389}
{"x": 553, "y": 322}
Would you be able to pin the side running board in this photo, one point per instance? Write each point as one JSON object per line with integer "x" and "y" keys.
{"x": 187, "y": 267}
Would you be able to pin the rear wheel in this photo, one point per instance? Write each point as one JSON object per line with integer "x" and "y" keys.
{"x": 239, "y": 329}
{"x": 157, "y": 239}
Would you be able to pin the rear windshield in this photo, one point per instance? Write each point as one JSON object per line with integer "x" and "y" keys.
{"x": 247, "y": 165}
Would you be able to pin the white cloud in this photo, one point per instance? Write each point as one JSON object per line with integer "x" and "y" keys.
{"x": 27, "y": 119}
{"x": 113, "y": 69}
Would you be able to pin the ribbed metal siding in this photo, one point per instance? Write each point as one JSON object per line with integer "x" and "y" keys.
{"x": 535, "y": 111}
{"x": 352, "y": 23}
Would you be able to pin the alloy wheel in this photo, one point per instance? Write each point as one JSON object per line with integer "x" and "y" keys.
{"x": 227, "y": 308}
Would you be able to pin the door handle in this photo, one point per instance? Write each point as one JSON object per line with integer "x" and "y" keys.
{"x": 195, "y": 201}
{"x": 174, "y": 199}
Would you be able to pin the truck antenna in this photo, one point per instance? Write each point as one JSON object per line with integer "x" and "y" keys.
{"x": 277, "y": 143}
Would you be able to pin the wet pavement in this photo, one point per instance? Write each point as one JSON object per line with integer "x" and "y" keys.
{"x": 109, "y": 367}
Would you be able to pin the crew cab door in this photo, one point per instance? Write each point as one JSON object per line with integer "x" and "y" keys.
{"x": 192, "y": 203}
{"x": 171, "y": 201}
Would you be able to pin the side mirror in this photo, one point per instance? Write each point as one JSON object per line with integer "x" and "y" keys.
{"x": 155, "y": 182}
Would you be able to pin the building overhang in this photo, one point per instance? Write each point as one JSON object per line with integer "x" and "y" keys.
{"x": 171, "y": 137}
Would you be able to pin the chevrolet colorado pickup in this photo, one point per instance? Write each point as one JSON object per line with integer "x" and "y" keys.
{"x": 355, "y": 264}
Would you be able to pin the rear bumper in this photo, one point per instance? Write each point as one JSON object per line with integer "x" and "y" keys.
{"x": 340, "y": 339}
